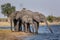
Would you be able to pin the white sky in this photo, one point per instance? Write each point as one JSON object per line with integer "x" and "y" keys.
{"x": 47, "y": 7}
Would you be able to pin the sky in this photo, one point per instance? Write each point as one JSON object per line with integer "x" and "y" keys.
{"x": 46, "y": 7}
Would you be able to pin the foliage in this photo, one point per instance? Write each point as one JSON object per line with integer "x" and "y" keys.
{"x": 7, "y": 9}
{"x": 50, "y": 18}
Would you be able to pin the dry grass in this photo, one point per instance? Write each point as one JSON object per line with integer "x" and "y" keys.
{"x": 8, "y": 35}
{"x": 4, "y": 24}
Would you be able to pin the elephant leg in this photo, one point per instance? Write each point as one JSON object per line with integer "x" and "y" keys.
{"x": 28, "y": 27}
{"x": 20, "y": 26}
{"x": 35, "y": 24}
{"x": 33, "y": 27}
{"x": 11, "y": 24}
{"x": 48, "y": 26}
{"x": 16, "y": 25}
{"x": 36, "y": 27}
{"x": 26, "y": 30}
{"x": 24, "y": 27}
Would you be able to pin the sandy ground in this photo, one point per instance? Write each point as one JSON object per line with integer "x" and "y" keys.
{"x": 8, "y": 35}
{"x": 8, "y": 24}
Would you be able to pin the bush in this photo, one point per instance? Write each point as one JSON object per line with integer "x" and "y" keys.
{"x": 50, "y": 18}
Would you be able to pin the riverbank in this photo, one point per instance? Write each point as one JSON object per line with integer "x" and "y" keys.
{"x": 9, "y": 35}
{"x": 4, "y": 24}
{"x": 50, "y": 23}
{"x": 8, "y": 24}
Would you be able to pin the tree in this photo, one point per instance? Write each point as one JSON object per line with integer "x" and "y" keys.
{"x": 50, "y": 18}
{"x": 7, "y": 9}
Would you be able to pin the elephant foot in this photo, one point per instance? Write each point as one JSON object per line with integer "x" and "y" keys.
{"x": 23, "y": 30}
{"x": 36, "y": 32}
{"x": 12, "y": 31}
{"x": 26, "y": 32}
{"x": 16, "y": 30}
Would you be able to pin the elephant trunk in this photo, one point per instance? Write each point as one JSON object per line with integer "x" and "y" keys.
{"x": 48, "y": 26}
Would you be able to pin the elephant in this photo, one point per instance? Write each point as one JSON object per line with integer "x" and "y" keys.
{"x": 26, "y": 20}
{"x": 27, "y": 17}
{"x": 37, "y": 18}
{"x": 15, "y": 21}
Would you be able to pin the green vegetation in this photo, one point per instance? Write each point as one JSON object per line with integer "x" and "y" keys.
{"x": 7, "y": 9}
{"x": 53, "y": 19}
{"x": 50, "y": 18}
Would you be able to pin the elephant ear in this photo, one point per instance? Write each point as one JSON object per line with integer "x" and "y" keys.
{"x": 36, "y": 16}
{"x": 42, "y": 17}
{"x": 27, "y": 19}
{"x": 13, "y": 15}
{"x": 18, "y": 15}
{"x": 24, "y": 18}
{"x": 30, "y": 20}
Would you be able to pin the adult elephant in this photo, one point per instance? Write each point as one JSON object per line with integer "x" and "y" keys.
{"x": 18, "y": 19}
{"x": 37, "y": 18}
{"x": 26, "y": 20}
{"x": 15, "y": 21}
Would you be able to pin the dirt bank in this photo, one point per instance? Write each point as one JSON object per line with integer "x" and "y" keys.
{"x": 8, "y": 35}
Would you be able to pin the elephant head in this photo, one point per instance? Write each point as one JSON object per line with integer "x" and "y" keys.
{"x": 39, "y": 17}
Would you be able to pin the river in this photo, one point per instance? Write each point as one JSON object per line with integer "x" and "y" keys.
{"x": 44, "y": 33}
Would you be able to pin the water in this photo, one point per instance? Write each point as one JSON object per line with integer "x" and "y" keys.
{"x": 44, "y": 33}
